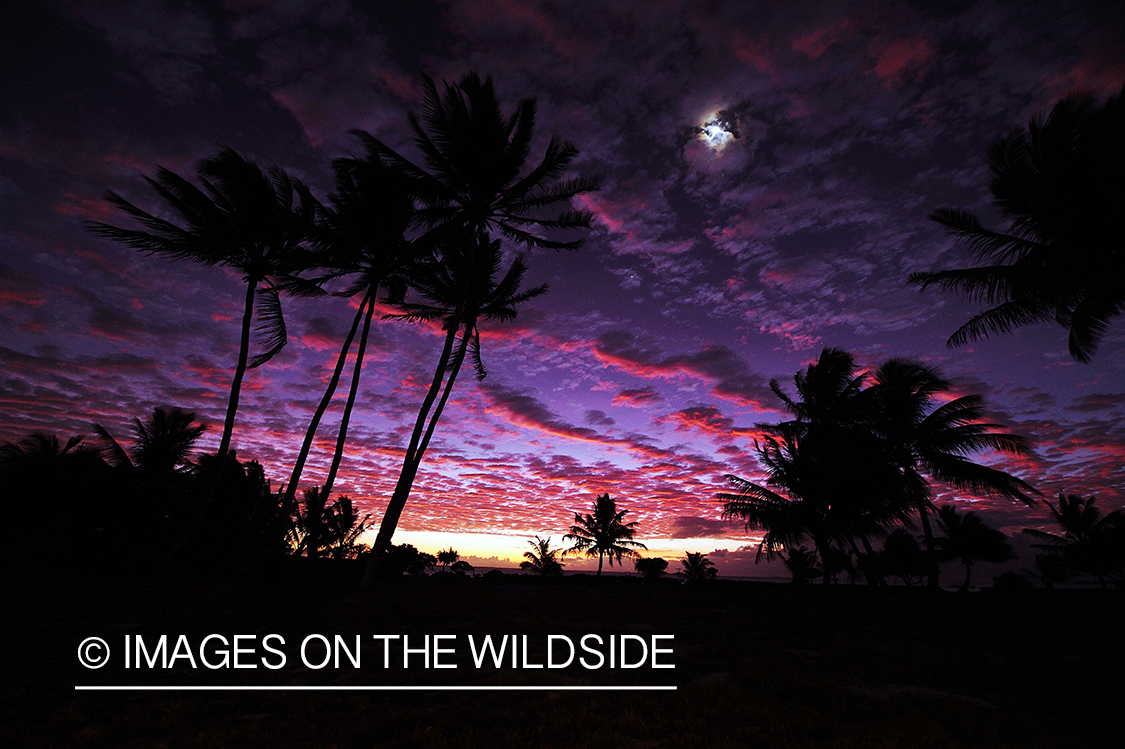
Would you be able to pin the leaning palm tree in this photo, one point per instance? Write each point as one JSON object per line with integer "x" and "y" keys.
{"x": 604, "y": 534}
{"x": 970, "y": 540}
{"x": 361, "y": 235}
{"x": 922, "y": 443}
{"x": 242, "y": 218}
{"x": 542, "y": 559}
{"x": 1060, "y": 185}
{"x": 474, "y": 185}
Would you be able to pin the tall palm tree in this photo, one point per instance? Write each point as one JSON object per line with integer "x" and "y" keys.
{"x": 1060, "y": 185}
{"x": 922, "y": 441}
{"x": 474, "y": 185}
{"x": 242, "y": 218}
{"x": 361, "y": 235}
{"x": 542, "y": 559}
{"x": 969, "y": 539}
{"x": 604, "y": 534}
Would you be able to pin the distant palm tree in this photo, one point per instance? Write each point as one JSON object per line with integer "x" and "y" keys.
{"x": 542, "y": 559}
{"x": 696, "y": 566}
{"x": 921, "y": 440}
{"x": 1090, "y": 541}
{"x": 1061, "y": 186}
{"x": 471, "y": 188}
{"x": 604, "y": 534}
{"x": 241, "y": 218}
{"x": 447, "y": 557}
{"x": 969, "y": 539}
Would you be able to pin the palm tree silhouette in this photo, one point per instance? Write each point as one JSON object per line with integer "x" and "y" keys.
{"x": 696, "y": 566}
{"x": 1063, "y": 257}
{"x": 360, "y": 235}
{"x": 1090, "y": 541}
{"x": 836, "y": 490}
{"x": 604, "y": 534}
{"x": 243, "y": 218}
{"x": 161, "y": 444}
{"x": 854, "y": 461}
{"x": 801, "y": 564}
{"x": 342, "y": 529}
{"x": 311, "y": 521}
{"x": 969, "y": 539}
{"x": 473, "y": 187}
{"x": 542, "y": 559}
{"x": 921, "y": 440}
{"x": 447, "y": 557}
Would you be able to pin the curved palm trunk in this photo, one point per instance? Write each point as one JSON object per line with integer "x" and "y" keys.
{"x": 341, "y": 439}
{"x": 420, "y": 438}
{"x": 310, "y": 433}
{"x": 239, "y": 372}
{"x": 228, "y": 424}
{"x": 409, "y": 466}
{"x": 600, "y": 555}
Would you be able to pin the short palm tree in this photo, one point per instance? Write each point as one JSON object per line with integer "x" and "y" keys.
{"x": 1089, "y": 541}
{"x": 161, "y": 444}
{"x": 448, "y": 557}
{"x": 474, "y": 185}
{"x": 696, "y": 566}
{"x": 342, "y": 529}
{"x": 970, "y": 540}
{"x": 603, "y": 534}
{"x": 542, "y": 559}
{"x": 1060, "y": 185}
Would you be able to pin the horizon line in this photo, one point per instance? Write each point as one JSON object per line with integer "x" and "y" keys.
{"x": 372, "y": 688}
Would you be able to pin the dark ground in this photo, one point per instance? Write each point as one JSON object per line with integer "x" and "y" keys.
{"x": 757, "y": 664}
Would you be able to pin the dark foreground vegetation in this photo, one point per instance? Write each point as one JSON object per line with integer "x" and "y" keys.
{"x": 764, "y": 665}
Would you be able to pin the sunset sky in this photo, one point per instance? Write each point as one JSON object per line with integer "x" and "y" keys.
{"x": 768, "y": 167}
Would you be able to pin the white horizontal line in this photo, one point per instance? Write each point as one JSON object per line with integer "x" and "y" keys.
{"x": 291, "y": 688}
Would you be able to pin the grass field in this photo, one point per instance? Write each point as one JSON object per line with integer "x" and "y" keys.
{"x": 756, "y": 665}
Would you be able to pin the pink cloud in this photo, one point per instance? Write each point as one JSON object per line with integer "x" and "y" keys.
{"x": 893, "y": 60}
